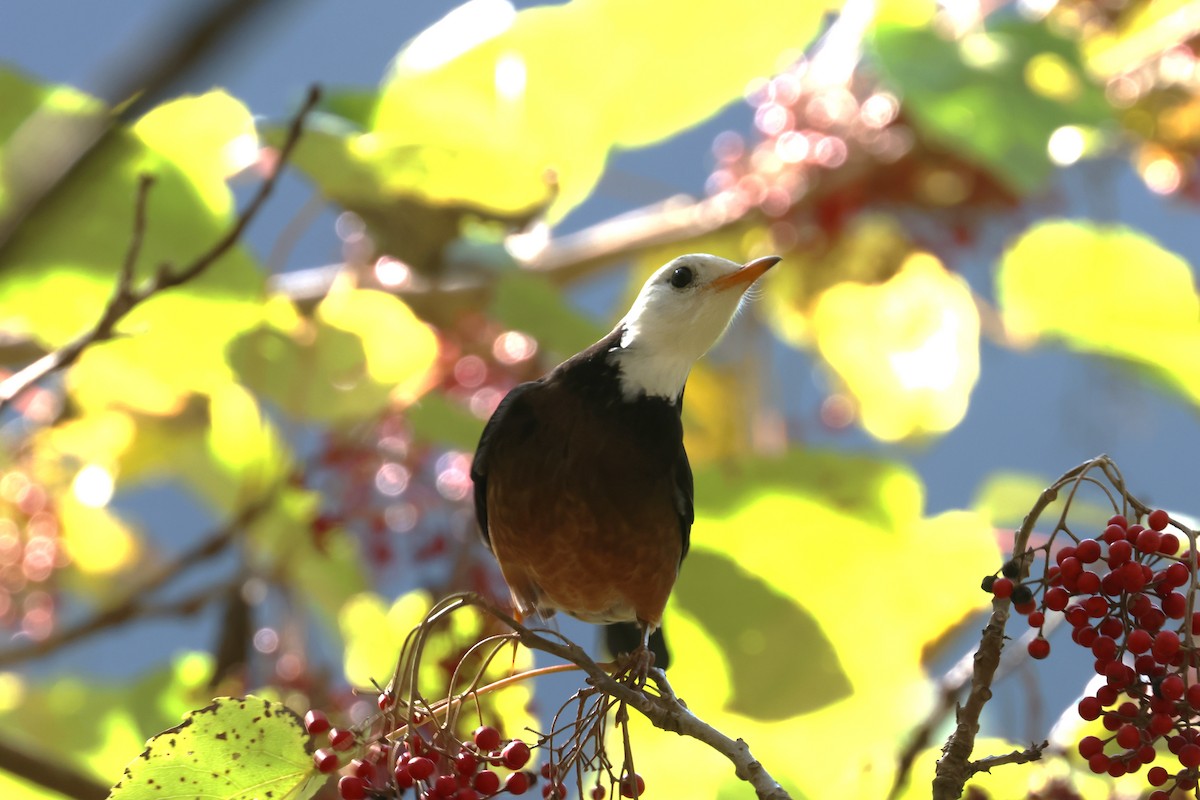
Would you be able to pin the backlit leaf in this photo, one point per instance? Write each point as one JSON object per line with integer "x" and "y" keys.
{"x": 993, "y": 96}
{"x": 1105, "y": 290}
{"x": 234, "y": 749}
{"x": 880, "y": 580}
{"x": 908, "y": 349}
{"x": 495, "y": 99}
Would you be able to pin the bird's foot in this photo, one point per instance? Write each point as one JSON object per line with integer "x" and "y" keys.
{"x": 635, "y": 668}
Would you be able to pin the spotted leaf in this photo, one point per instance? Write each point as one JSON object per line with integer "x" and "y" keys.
{"x": 237, "y": 748}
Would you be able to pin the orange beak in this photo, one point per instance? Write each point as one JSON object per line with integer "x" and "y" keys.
{"x": 745, "y": 276}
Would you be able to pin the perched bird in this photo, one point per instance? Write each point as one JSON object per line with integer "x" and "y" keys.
{"x": 583, "y": 489}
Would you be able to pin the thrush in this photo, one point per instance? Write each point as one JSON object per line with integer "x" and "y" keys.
{"x": 583, "y": 490}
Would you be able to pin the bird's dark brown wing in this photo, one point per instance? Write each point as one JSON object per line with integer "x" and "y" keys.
{"x": 513, "y": 413}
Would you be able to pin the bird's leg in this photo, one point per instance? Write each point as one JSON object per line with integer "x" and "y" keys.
{"x": 637, "y": 667}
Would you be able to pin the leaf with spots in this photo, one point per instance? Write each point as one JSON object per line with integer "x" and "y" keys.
{"x": 236, "y": 748}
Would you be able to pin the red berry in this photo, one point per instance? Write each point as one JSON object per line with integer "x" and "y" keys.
{"x": 420, "y": 768}
{"x": 1087, "y": 637}
{"x": 445, "y": 785}
{"x": 1088, "y": 551}
{"x": 1168, "y": 544}
{"x": 1119, "y": 553}
{"x": 1128, "y": 736}
{"x": 548, "y": 771}
{"x": 1157, "y": 776}
{"x": 1160, "y": 724}
{"x": 1148, "y": 541}
{"x": 516, "y": 783}
{"x": 466, "y": 793}
{"x": 486, "y": 782}
{"x": 1132, "y": 579}
{"x": 515, "y": 754}
{"x": 326, "y": 760}
{"x": 1174, "y": 605}
{"x": 1089, "y": 746}
{"x": 1175, "y": 575}
{"x": 363, "y": 769}
{"x": 352, "y": 787}
{"x": 1026, "y": 608}
{"x": 1096, "y": 607}
{"x": 1039, "y": 648}
{"x": 1087, "y": 583}
{"x": 1159, "y": 795}
{"x": 385, "y": 701}
{"x": 629, "y": 782}
{"x": 1113, "y": 533}
{"x": 378, "y": 752}
{"x": 1002, "y": 587}
{"x": 1057, "y": 598}
{"x": 1166, "y": 645}
{"x": 554, "y": 791}
{"x": 1107, "y": 695}
{"x": 1152, "y": 620}
{"x": 1037, "y": 619}
{"x": 1111, "y": 627}
{"x": 341, "y": 739}
{"x": 1157, "y": 520}
{"x": 315, "y": 721}
{"x": 1089, "y": 709}
{"x": 1171, "y": 688}
{"x": 1138, "y": 641}
{"x": 466, "y": 763}
{"x": 1118, "y": 520}
{"x": 597, "y": 792}
{"x": 1193, "y": 696}
{"x": 1189, "y": 755}
{"x": 1098, "y": 763}
{"x": 404, "y": 778}
{"x": 1116, "y": 769}
{"x": 486, "y": 738}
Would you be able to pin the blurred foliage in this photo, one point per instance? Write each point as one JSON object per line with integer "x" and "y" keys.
{"x": 327, "y": 442}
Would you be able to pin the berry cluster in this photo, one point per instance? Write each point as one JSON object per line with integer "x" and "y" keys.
{"x": 31, "y": 554}
{"x": 1127, "y": 595}
{"x": 466, "y": 772}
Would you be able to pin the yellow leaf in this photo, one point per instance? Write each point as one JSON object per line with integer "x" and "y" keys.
{"x": 1106, "y": 290}
{"x": 98, "y": 543}
{"x": 907, "y": 349}
{"x": 373, "y": 634}
{"x": 820, "y": 554}
{"x": 400, "y": 349}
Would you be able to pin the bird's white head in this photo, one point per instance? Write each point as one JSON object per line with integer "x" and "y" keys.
{"x": 679, "y": 314}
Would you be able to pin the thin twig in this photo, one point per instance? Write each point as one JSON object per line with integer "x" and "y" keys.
{"x": 954, "y": 768}
{"x": 662, "y": 711}
{"x": 1031, "y": 753}
{"x": 126, "y": 297}
{"x": 50, "y": 772}
{"x": 135, "y": 603}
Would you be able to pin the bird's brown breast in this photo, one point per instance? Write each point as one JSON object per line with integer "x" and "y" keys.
{"x": 581, "y": 503}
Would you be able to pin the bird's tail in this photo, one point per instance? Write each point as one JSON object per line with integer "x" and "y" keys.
{"x": 624, "y": 637}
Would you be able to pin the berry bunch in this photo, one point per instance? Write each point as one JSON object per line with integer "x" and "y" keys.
{"x": 31, "y": 554}
{"x": 1128, "y": 596}
{"x": 465, "y": 772}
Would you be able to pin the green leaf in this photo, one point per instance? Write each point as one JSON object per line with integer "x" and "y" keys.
{"x": 234, "y": 749}
{"x": 435, "y": 418}
{"x": 61, "y": 266}
{"x": 529, "y": 303}
{"x": 994, "y": 97}
{"x": 762, "y": 688}
{"x": 1106, "y": 290}
{"x": 492, "y": 114}
{"x": 364, "y": 350}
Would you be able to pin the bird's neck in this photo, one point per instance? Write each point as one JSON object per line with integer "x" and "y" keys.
{"x": 644, "y": 369}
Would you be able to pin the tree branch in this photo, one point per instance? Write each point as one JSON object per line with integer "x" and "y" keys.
{"x": 1031, "y": 753}
{"x": 126, "y": 296}
{"x": 954, "y": 767}
{"x": 663, "y": 710}
{"x": 136, "y": 602}
{"x": 50, "y": 773}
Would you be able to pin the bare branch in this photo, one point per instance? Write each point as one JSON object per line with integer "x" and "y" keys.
{"x": 954, "y": 767}
{"x": 1031, "y": 753}
{"x": 136, "y": 603}
{"x": 663, "y": 710}
{"x": 126, "y": 297}
{"x": 50, "y": 773}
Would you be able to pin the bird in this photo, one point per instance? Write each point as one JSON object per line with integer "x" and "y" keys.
{"x": 582, "y": 486}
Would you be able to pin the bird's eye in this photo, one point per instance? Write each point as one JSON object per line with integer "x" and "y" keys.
{"x": 682, "y": 277}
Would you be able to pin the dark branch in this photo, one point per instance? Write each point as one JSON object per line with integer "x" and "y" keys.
{"x": 137, "y": 602}
{"x": 663, "y": 710}
{"x": 50, "y": 773}
{"x": 1031, "y": 753}
{"x": 126, "y": 297}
